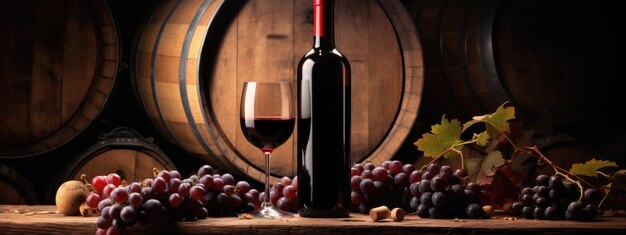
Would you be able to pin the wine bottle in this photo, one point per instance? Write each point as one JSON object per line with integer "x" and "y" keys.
{"x": 323, "y": 122}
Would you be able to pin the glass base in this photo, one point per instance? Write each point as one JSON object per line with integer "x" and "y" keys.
{"x": 270, "y": 212}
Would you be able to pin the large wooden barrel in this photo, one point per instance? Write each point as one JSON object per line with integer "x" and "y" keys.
{"x": 58, "y": 63}
{"x": 16, "y": 190}
{"x": 264, "y": 40}
{"x": 122, "y": 151}
{"x": 553, "y": 59}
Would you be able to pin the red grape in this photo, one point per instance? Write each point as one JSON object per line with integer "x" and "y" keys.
{"x": 289, "y": 192}
{"x": 114, "y": 179}
{"x": 107, "y": 190}
{"x": 93, "y": 199}
{"x": 98, "y": 183}
{"x": 243, "y": 187}
{"x": 134, "y": 199}
{"x": 159, "y": 185}
{"x": 175, "y": 200}
{"x": 197, "y": 193}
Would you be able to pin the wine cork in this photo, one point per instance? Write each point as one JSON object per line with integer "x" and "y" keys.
{"x": 488, "y": 211}
{"x": 379, "y": 213}
{"x": 397, "y": 214}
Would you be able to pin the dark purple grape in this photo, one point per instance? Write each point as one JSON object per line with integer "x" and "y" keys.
{"x": 474, "y": 211}
{"x": 379, "y": 173}
{"x": 114, "y": 211}
{"x": 218, "y": 184}
{"x": 470, "y": 196}
{"x": 527, "y": 212}
{"x": 439, "y": 199}
{"x": 152, "y": 206}
{"x": 539, "y": 213}
{"x": 359, "y": 167}
{"x": 433, "y": 168}
{"x": 235, "y": 200}
{"x": 104, "y": 223}
{"x": 426, "y": 199}
{"x": 229, "y": 190}
{"x": 474, "y": 187}
{"x": 574, "y": 207}
{"x": 104, "y": 203}
{"x": 536, "y": 189}
{"x": 159, "y": 185}
{"x": 395, "y": 167}
{"x": 422, "y": 211}
{"x": 105, "y": 213}
{"x": 447, "y": 169}
{"x": 401, "y": 179}
{"x": 119, "y": 195}
{"x": 542, "y": 180}
{"x": 541, "y": 202}
{"x": 551, "y": 213}
{"x": 427, "y": 175}
{"x": 205, "y": 170}
{"x": 415, "y": 201}
{"x": 592, "y": 196}
{"x": 437, "y": 184}
{"x": 165, "y": 175}
{"x": 386, "y": 164}
{"x": 460, "y": 173}
{"x": 408, "y": 169}
{"x": 415, "y": 176}
{"x": 197, "y": 193}
{"x": 570, "y": 216}
{"x": 414, "y": 189}
{"x": 283, "y": 204}
{"x": 424, "y": 186}
{"x": 367, "y": 186}
{"x": 516, "y": 209}
{"x": 543, "y": 191}
{"x": 554, "y": 195}
{"x": 128, "y": 214}
{"x": 379, "y": 187}
{"x": 435, "y": 212}
{"x": 175, "y": 200}
{"x": 457, "y": 189}
{"x": 527, "y": 190}
{"x": 555, "y": 182}
{"x": 228, "y": 179}
{"x": 243, "y": 187}
{"x": 363, "y": 208}
{"x": 369, "y": 166}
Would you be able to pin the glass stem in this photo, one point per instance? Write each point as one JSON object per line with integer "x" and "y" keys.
{"x": 268, "y": 201}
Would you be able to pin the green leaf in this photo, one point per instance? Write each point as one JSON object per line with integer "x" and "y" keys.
{"x": 443, "y": 136}
{"x": 590, "y": 167}
{"x": 496, "y": 123}
{"x": 619, "y": 181}
{"x": 482, "y": 138}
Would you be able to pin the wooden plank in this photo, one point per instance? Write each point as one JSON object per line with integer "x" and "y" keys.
{"x": 43, "y": 219}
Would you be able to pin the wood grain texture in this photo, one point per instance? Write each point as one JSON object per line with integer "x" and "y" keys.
{"x": 57, "y": 65}
{"x": 42, "y": 219}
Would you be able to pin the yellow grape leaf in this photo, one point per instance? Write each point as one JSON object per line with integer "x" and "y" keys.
{"x": 496, "y": 123}
{"x": 482, "y": 138}
{"x": 443, "y": 136}
{"x": 590, "y": 167}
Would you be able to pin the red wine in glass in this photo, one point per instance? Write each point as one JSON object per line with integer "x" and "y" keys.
{"x": 267, "y": 121}
{"x": 267, "y": 132}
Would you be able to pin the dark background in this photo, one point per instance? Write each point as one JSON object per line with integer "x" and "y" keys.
{"x": 601, "y": 129}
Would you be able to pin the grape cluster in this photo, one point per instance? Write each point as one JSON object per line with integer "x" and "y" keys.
{"x": 284, "y": 194}
{"x": 555, "y": 199}
{"x": 441, "y": 192}
{"x": 383, "y": 185}
{"x": 168, "y": 197}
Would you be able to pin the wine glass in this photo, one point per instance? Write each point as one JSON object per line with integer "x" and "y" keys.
{"x": 267, "y": 121}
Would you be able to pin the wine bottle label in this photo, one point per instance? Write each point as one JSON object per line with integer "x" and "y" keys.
{"x": 318, "y": 21}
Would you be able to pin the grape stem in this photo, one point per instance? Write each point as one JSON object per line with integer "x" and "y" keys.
{"x": 83, "y": 177}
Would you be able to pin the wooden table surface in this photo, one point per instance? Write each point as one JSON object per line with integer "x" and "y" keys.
{"x": 45, "y": 220}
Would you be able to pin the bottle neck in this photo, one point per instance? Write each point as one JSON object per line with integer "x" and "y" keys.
{"x": 323, "y": 24}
